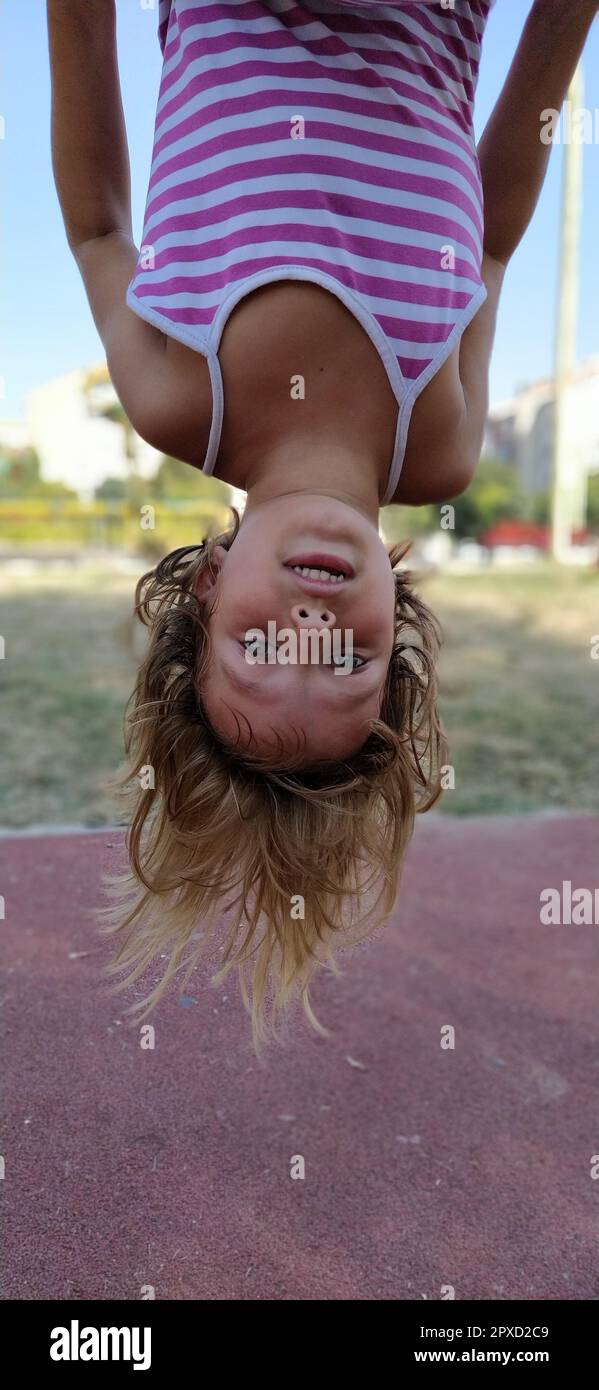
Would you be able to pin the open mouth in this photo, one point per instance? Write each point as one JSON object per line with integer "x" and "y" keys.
{"x": 320, "y": 568}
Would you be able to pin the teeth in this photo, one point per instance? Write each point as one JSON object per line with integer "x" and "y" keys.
{"x": 322, "y": 575}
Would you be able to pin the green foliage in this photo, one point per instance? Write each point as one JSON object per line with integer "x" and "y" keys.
{"x": 20, "y": 476}
{"x": 111, "y": 490}
{"x": 173, "y": 483}
{"x": 495, "y": 494}
{"x": 540, "y": 508}
{"x": 593, "y": 504}
{"x": 405, "y": 523}
{"x": 175, "y": 480}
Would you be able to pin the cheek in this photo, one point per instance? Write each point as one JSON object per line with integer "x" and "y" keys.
{"x": 215, "y": 704}
{"x": 245, "y": 600}
{"x": 379, "y": 622}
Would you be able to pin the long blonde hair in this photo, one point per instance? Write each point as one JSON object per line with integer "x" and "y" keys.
{"x": 240, "y": 858}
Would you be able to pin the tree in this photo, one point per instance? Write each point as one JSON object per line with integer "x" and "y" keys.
{"x": 112, "y": 490}
{"x": 20, "y": 476}
{"x": 593, "y": 504}
{"x": 176, "y": 481}
{"x": 406, "y": 523}
{"x": 495, "y": 494}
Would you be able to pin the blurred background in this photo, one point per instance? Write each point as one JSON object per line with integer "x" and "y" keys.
{"x": 512, "y": 568}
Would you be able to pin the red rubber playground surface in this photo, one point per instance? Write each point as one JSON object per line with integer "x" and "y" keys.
{"x": 424, "y": 1167}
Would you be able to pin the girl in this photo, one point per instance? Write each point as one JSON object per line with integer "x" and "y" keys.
{"x": 310, "y": 316}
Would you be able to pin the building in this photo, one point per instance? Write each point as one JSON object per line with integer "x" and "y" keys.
{"x": 521, "y": 431}
{"x": 69, "y": 423}
{"x": 66, "y": 424}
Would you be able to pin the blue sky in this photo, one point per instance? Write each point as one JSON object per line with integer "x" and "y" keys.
{"x": 48, "y": 328}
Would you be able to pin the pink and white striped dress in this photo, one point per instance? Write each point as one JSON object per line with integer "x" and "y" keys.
{"x": 327, "y": 140}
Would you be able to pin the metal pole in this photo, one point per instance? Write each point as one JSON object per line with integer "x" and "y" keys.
{"x": 569, "y": 485}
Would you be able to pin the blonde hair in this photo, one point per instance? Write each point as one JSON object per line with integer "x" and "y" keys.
{"x": 298, "y": 860}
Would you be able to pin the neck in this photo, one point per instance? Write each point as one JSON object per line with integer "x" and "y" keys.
{"x": 315, "y": 466}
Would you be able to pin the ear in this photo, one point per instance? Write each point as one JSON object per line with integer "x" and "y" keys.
{"x": 208, "y": 579}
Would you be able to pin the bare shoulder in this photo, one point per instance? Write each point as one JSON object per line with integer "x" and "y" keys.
{"x": 448, "y": 420}
{"x": 437, "y": 420}
{"x": 163, "y": 386}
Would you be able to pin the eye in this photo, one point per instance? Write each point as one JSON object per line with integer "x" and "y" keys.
{"x": 357, "y": 661}
{"x": 257, "y": 647}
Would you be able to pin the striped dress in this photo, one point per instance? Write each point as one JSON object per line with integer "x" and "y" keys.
{"x": 330, "y": 141}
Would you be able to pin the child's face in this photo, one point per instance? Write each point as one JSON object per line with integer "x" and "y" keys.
{"x": 302, "y": 703}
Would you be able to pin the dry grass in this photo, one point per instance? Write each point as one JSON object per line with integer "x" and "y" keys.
{"x": 520, "y": 688}
{"x": 520, "y": 691}
{"x": 66, "y": 676}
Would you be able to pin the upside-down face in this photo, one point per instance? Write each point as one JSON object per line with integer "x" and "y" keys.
{"x": 310, "y": 563}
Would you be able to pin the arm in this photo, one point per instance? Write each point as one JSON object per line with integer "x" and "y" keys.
{"x": 512, "y": 156}
{"x": 89, "y": 142}
{"x": 167, "y": 405}
{"x": 513, "y": 162}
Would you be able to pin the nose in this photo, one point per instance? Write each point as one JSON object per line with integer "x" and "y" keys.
{"x": 312, "y": 615}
